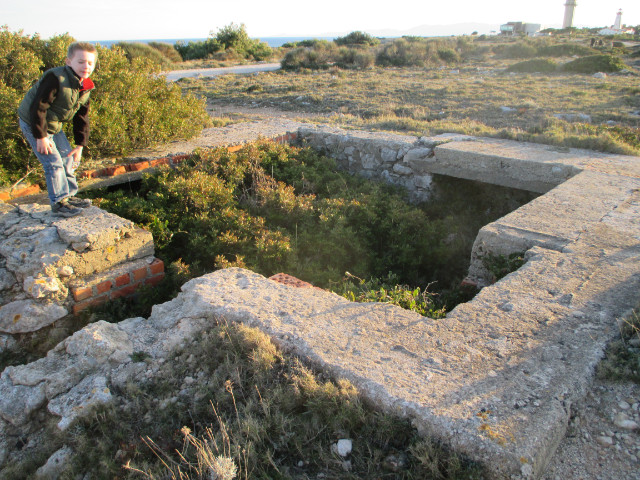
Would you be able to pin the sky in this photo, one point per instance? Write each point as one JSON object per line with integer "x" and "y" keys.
{"x": 167, "y": 19}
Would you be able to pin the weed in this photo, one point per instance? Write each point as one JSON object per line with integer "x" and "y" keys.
{"x": 417, "y": 300}
{"x": 622, "y": 357}
{"x": 501, "y": 265}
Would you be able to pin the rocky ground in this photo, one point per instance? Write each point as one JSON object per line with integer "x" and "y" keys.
{"x": 601, "y": 442}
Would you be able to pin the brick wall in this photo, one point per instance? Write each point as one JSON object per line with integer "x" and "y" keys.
{"x": 121, "y": 282}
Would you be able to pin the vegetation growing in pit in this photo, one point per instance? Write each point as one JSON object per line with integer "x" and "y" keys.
{"x": 500, "y": 266}
{"x": 275, "y": 208}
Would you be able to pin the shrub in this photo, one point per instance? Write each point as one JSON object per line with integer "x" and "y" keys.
{"x": 167, "y": 50}
{"x": 133, "y": 50}
{"x": 406, "y": 52}
{"x": 448, "y": 55}
{"x": 516, "y": 50}
{"x": 594, "y": 63}
{"x": 321, "y": 56}
{"x": 357, "y": 38}
{"x": 134, "y": 108}
{"x": 354, "y": 58}
{"x": 231, "y": 40}
{"x": 535, "y": 65}
{"x": 564, "y": 50}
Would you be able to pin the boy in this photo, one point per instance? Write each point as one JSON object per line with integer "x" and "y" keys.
{"x": 61, "y": 95}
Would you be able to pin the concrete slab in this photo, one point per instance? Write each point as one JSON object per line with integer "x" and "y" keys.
{"x": 495, "y": 379}
{"x": 527, "y": 166}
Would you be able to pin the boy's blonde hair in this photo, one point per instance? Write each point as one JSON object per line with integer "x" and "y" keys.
{"x": 84, "y": 46}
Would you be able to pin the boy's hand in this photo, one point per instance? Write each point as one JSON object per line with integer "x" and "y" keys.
{"x": 76, "y": 154}
{"x": 44, "y": 145}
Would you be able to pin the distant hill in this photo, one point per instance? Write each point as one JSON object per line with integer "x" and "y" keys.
{"x": 434, "y": 30}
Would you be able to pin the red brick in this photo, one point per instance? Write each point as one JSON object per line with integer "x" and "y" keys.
{"x": 89, "y": 174}
{"x": 136, "y": 167}
{"x": 234, "y": 148}
{"x": 179, "y": 158}
{"x": 156, "y": 267}
{"x": 154, "y": 280}
{"x": 290, "y": 280}
{"x": 123, "y": 280}
{"x": 139, "y": 274}
{"x": 82, "y": 293}
{"x": 104, "y": 287}
{"x": 30, "y": 190}
{"x": 4, "y": 196}
{"x": 125, "y": 291}
{"x": 158, "y": 161}
{"x": 114, "y": 170}
{"x": 78, "y": 307}
{"x": 468, "y": 283}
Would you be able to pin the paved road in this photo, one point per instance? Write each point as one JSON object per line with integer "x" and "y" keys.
{"x": 214, "y": 72}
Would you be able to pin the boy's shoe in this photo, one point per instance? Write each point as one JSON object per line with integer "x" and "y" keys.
{"x": 63, "y": 209}
{"x": 78, "y": 202}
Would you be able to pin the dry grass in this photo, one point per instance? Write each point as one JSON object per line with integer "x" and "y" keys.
{"x": 477, "y": 98}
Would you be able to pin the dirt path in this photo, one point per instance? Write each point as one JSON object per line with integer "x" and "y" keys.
{"x": 174, "y": 75}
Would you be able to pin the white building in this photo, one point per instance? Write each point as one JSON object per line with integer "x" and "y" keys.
{"x": 569, "y": 8}
{"x": 515, "y": 28}
{"x": 617, "y": 28}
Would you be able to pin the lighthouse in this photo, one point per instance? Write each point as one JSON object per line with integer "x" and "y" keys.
{"x": 617, "y": 25}
{"x": 569, "y": 7}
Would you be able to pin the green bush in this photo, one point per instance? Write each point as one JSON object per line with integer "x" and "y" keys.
{"x": 595, "y": 63}
{"x": 354, "y": 58}
{"x": 131, "y": 107}
{"x": 535, "y": 65}
{"x": 133, "y": 50}
{"x": 448, "y": 55}
{"x": 167, "y": 50}
{"x": 321, "y": 56}
{"x": 231, "y": 41}
{"x": 406, "y": 52}
{"x": 516, "y": 50}
{"x": 564, "y": 50}
{"x": 162, "y": 54}
{"x": 357, "y": 38}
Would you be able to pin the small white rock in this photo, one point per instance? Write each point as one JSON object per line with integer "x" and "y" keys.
{"x": 622, "y": 421}
{"x": 343, "y": 447}
{"x": 604, "y": 441}
{"x": 65, "y": 271}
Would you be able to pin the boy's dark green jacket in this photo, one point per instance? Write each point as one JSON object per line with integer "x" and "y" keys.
{"x": 58, "y": 97}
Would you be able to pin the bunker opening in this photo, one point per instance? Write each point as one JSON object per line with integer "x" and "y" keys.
{"x": 279, "y": 208}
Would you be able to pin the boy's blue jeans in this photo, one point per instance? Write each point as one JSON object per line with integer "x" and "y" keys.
{"x": 58, "y": 166}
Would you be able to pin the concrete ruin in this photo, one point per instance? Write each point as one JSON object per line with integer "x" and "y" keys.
{"x": 495, "y": 379}
{"x": 52, "y": 266}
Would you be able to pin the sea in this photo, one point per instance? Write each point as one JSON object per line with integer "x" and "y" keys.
{"x": 273, "y": 42}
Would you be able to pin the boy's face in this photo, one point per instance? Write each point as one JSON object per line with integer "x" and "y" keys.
{"x": 82, "y": 63}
